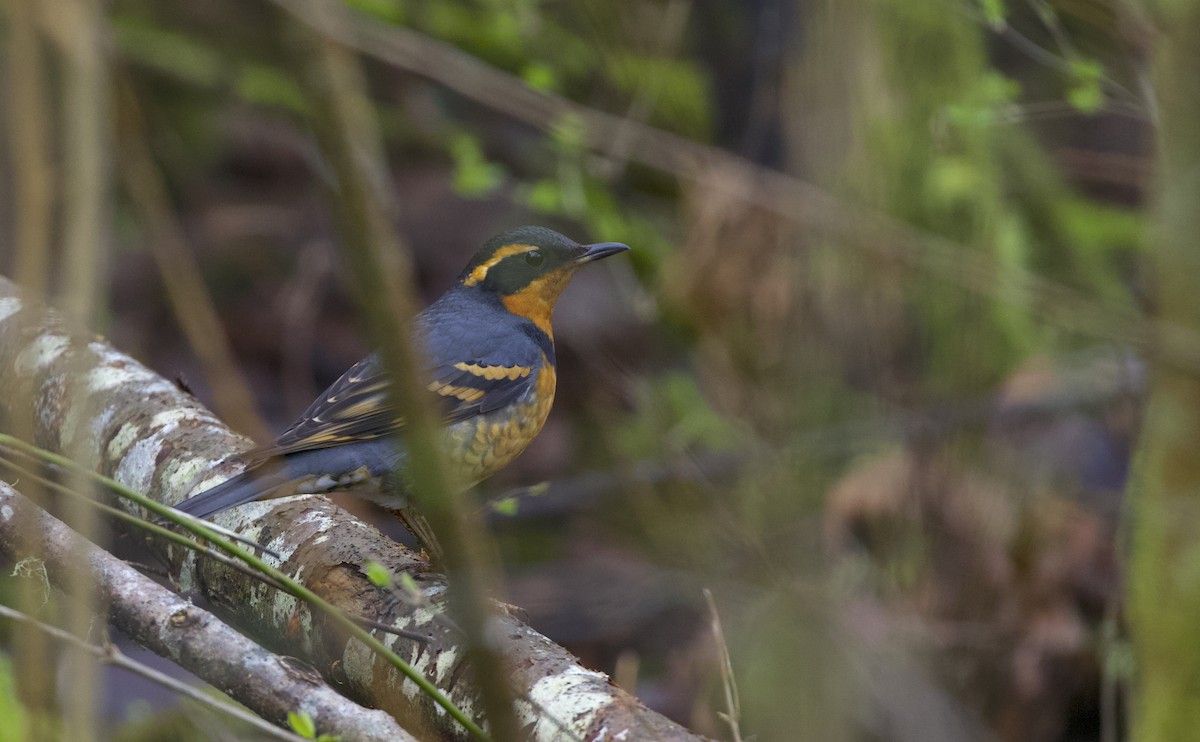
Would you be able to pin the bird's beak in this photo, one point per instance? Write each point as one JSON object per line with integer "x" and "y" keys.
{"x": 600, "y": 250}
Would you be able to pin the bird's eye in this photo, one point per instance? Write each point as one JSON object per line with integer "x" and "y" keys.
{"x": 534, "y": 258}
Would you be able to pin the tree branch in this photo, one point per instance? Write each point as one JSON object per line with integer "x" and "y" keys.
{"x": 110, "y": 655}
{"x": 138, "y": 428}
{"x": 165, "y": 623}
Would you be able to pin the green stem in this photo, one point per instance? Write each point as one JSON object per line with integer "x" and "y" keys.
{"x": 293, "y": 587}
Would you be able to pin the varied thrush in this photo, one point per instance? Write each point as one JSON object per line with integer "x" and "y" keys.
{"x": 489, "y": 348}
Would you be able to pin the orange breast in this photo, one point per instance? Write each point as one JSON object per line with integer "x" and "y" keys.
{"x": 536, "y": 301}
{"x": 483, "y": 445}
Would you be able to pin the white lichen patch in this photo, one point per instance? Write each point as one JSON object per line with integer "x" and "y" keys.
{"x": 168, "y": 420}
{"x": 179, "y": 473}
{"x": 445, "y": 665}
{"x": 43, "y": 351}
{"x": 575, "y": 693}
{"x": 283, "y": 546}
{"x": 357, "y": 659}
{"x": 139, "y": 457}
{"x": 9, "y": 305}
{"x": 89, "y": 456}
{"x": 421, "y": 617}
{"x": 188, "y": 573}
{"x": 215, "y": 476}
{"x": 100, "y": 423}
{"x": 72, "y": 423}
{"x": 136, "y": 469}
{"x": 6, "y": 512}
{"x": 285, "y": 607}
{"x": 117, "y": 371}
{"x": 411, "y": 690}
{"x": 317, "y": 518}
{"x": 121, "y": 442}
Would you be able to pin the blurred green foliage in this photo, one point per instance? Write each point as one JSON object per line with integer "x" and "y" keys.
{"x": 13, "y": 724}
{"x": 801, "y": 353}
{"x": 675, "y": 418}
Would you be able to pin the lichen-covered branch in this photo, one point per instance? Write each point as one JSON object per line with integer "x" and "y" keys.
{"x": 140, "y": 429}
{"x": 171, "y": 626}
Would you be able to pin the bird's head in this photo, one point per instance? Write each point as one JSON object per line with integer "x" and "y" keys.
{"x": 528, "y": 268}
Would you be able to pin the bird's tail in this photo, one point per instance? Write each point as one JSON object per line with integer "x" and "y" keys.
{"x": 317, "y": 470}
{"x": 245, "y": 487}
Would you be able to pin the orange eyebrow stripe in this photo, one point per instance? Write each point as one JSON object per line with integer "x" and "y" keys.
{"x": 481, "y": 270}
{"x": 493, "y": 373}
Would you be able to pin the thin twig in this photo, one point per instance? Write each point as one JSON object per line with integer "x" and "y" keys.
{"x": 202, "y": 529}
{"x": 732, "y": 703}
{"x": 208, "y": 552}
{"x": 149, "y": 525}
{"x": 109, "y": 654}
{"x": 346, "y": 131}
{"x": 29, "y": 147}
{"x": 142, "y": 523}
{"x": 78, "y": 28}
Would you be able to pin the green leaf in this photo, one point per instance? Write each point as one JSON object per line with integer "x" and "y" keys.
{"x": 1086, "y": 98}
{"x": 539, "y": 76}
{"x": 1085, "y": 69}
{"x": 302, "y": 724}
{"x": 391, "y": 11}
{"x": 994, "y": 88}
{"x": 951, "y": 179}
{"x": 1085, "y": 94}
{"x": 568, "y": 133}
{"x": 677, "y": 417}
{"x": 994, "y": 12}
{"x": 505, "y": 30}
{"x": 545, "y": 196}
{"x": 13, "y": 721}
{"x": 679, "y": 90}
{"x": 474, "y": 176}
{"x": 378, "y": 574}
{"x": 176, "y": 54}
{"x": 970, "y": 116}
{"x": 505, "y": 506}
{"x": 410, "y": 585}
{"x": 269, "y": 86}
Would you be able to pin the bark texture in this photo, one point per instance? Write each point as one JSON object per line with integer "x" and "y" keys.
{"x": 140, "y": 429}
{"x": 162, "y": 621}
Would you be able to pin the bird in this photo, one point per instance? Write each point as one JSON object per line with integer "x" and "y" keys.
{"x": 488, "y": 347}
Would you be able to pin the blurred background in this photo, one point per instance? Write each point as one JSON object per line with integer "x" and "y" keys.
{"x": 868, "y": 374}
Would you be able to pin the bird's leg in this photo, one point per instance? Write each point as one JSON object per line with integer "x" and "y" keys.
{"x": 419, "y": 527}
